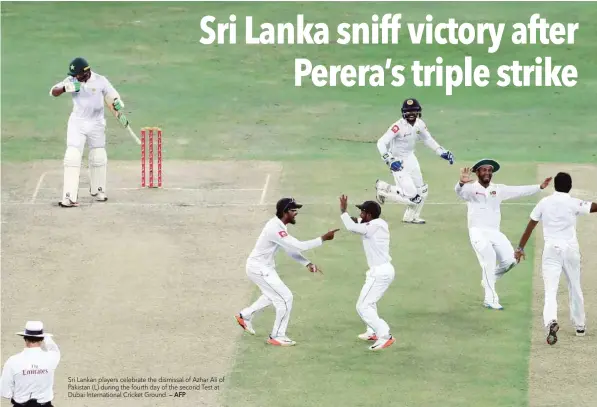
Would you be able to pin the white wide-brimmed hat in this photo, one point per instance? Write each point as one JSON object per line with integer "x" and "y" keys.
{"x": 34, "y": 329}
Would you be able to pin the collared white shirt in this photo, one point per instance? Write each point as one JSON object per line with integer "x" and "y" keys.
{"x": 375, "y": 236}
{"x": 30, "y": 373}
{"x": 484, "y": 204}
{"x": 400, "y": 139}
{"x": 88, "y": 102}
{"x": 275, "y": 236}
{"x": 558, "y": 212}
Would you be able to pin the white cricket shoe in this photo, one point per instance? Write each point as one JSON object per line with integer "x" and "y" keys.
{"x": 382, "y": 343}
{"x": 580, "y": 331}
{"x": 493, "y": 305}
{"x": 100, "y": 196}
{"x": 281, "y": 341}
{"x": 368, "y": 336}
{"x": 409, "y": 217}
{"x": 245, "y": 324}
{"x": 552, "y": 331}
{"x": 415, "y": 221}
{"x": 67, "y": 203}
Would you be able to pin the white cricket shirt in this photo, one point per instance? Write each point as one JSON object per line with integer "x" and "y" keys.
{"x": 30, "y": 374}
{"x": 375, "y": 236}
{"x": 400, "y": 139}
{"x": 88, "y": 103}
{"x": 275, "y": 236}
{"x": 484, "y": 204}
{"x": 558, "y": 212}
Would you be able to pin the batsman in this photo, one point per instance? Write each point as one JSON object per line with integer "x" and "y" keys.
{"x": 86, "y": 124}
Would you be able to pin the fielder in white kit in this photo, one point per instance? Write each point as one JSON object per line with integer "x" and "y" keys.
{"x": 397, "y": 149}
{"x": 261, "y": 270}
{"x": 86, "y": 123}
{"x": 484, "y": 199}
{"x": 561, "y": 252}
{"x": 375, "y": 234}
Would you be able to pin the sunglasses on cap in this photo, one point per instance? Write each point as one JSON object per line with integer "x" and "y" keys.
{"x": 289, "y": 204}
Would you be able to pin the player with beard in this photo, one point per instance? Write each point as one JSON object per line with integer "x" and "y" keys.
{"x": 86, "y": 126}
{"x": 261, "y": 270}
{"x": 397, "y": 149}
{"x": 493, "y": 249}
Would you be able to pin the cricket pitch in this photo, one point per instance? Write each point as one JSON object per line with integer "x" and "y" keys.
{"x": 145, "y": 285}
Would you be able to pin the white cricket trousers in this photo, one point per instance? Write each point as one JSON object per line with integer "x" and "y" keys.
{"x": 377, "y": 281}
{"x": 275, "y": 292}
{"x": 561, "y": 256}
{"x": 90, "y": 131}
{"x": 495, "y": 254}
{"x": 409, "y": 180}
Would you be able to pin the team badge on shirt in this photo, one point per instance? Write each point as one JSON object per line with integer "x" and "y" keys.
{"x": 282, "y": 233}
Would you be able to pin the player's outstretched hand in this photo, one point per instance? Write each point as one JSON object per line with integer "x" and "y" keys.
{"x": 519, "y": 254}
{"x": 448, "y": 156}
{"x": 465, "y": 175}
{"x": 329, "y": 235}
{"x": 545, "y": 183}
{"x": 343, "y": 203}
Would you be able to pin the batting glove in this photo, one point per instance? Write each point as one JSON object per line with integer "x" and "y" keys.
{"x": 118, "y": 104}
{"x": 448, "y": 156}
{"x": 123, "y": 120}
{"x": 72, "y": 86}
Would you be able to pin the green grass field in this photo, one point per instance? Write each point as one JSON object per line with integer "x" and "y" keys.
{"x": 238, "y": 102}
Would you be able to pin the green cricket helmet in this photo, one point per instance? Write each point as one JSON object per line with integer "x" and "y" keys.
{"x": 79, "y": 67}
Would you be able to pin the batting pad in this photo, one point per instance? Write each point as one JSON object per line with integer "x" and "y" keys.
{"x": 405, "y": 184}
{"x": 98, "y": 161}
{"x": 72, "y": 170}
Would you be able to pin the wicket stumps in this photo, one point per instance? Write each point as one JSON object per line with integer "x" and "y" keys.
{"x": 150, "y": 131}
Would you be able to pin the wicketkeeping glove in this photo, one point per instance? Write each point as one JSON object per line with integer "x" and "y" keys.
{"x": 391, "y": 162}
{"x": 396, "y": 166}
{"x": 448, "y": 156}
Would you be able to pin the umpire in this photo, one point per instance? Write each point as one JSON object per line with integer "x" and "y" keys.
{"x": 28, "y": 377}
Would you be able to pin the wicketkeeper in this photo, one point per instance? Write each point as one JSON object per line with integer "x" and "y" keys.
{"x": 397, "y": 149}
{"x": 86, "y": 123}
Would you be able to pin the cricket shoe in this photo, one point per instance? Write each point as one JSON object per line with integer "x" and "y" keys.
{"x": 99, "y": 196}
{"x": 245, "y": 324}
{"x": 493, "y": 305}
{"x": 416, "y": 221}
{"x": 368, "y": 336}
{"x": 380, "y": 198}
{"x": 382, "y": 343}
{"x": 409, "y": 216}
{"x": 552, "y": 336}
{"x": 67, "y": 203}
{"x": 281, "y": 341}
{"x": 580, "y": 331}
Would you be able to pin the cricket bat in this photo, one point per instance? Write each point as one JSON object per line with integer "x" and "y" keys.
{"x": 126, "y": 126}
